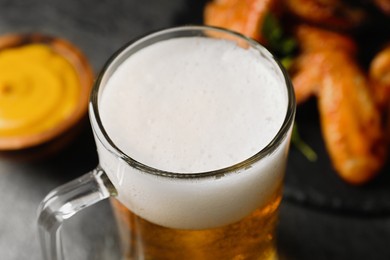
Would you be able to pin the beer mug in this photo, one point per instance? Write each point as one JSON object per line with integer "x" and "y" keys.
{"x": 173, "y": 151}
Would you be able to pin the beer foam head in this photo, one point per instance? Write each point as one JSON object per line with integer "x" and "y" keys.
{"x": 193, "y": 105}
{"x": 190, "y": 105}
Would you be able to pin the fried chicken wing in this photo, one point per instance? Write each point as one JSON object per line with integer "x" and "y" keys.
{"x": 379, "y": 73}
{"x": 328, "y": 13}
{"x": 314, "y": 39}
{"x": 383, "y": 5}
{"x": 313, "y": 42}
{"x": 306, "y": 76}
{"x": 350, "y": 120}
{"x": 243, "y": 16}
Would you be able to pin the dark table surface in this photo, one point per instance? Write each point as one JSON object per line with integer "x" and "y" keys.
{"x": 98, "y": 28}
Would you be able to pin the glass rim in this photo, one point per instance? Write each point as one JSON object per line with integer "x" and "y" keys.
{"x": 109, "y": 145}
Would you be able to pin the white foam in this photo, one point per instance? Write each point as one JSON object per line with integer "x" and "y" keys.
{"x": 193, "y": 105}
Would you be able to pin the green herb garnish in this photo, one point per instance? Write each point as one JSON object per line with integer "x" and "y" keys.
{"x": 303, "y": 147}
{"x": 285, "y": 47}
{"x": 277, "y": 39}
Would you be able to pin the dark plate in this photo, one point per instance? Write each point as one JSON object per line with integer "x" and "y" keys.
{"x": 316, "y": 184}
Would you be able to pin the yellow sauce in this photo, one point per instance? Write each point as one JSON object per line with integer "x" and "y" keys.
{"x": 38, "y": 90}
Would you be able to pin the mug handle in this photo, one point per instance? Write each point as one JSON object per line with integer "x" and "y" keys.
{"x": 65, "y": 201}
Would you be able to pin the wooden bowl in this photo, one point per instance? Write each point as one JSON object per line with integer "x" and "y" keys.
{"x": 84, "y": 75}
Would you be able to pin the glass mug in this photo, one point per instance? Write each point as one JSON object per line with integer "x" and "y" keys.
{"x": 223, "y": 213}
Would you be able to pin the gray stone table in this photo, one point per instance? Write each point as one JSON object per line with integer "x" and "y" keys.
{"x": 99, "y": 28}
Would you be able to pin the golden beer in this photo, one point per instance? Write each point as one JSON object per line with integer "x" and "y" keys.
{"x": 251, "y": 238}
